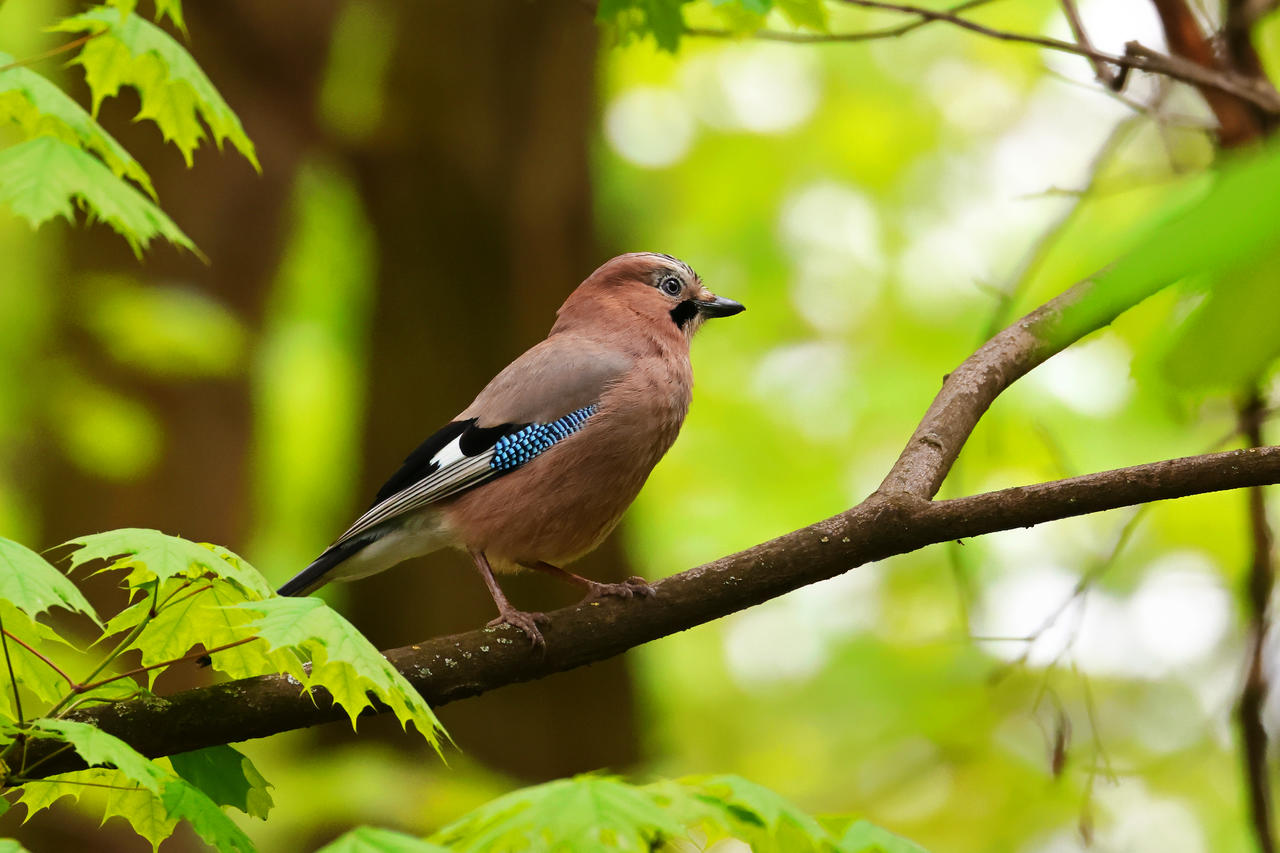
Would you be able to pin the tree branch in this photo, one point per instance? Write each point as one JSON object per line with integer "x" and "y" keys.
{"x": 897, "y": 519}
{"x": 819, "y": 38}
{"x": 446, "y": 669}
{"x": 1101, "y": 70}
{"x": 970, "y": 389}
{"x": 1136, "y": 56}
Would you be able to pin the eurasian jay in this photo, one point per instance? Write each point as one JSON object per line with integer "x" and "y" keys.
{"x": 541, "y": 466}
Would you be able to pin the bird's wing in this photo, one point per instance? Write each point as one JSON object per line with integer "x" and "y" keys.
{"x": 539, "y": 399}
{"x": 561, "y": 374}
{"x": 460, "y": 456}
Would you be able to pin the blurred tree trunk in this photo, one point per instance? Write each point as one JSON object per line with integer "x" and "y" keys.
{"x": 267, "y": 64}
{"x": 478, "y": 186}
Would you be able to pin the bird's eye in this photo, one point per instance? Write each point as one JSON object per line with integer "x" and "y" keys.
{"x": 670, "y": 286}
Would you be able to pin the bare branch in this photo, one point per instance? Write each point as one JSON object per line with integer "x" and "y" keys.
{"x": 1136, "y": 56}
{"x": 1101, "y": 70}
{"x": 820, "y": 38}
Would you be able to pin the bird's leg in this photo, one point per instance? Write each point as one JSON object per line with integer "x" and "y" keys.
{"x": 508, "y": 615}
{"x": 629, "y": 588}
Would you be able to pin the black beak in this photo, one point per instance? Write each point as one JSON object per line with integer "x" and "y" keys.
{"x": 719, "y": 307}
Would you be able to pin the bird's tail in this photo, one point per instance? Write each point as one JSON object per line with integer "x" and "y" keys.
{"x": 313, "y": 576}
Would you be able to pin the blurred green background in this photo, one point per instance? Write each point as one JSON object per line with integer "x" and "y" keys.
{"x": 437, "y": 177}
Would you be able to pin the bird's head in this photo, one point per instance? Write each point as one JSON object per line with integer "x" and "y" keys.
{"x": 663, "y": 291}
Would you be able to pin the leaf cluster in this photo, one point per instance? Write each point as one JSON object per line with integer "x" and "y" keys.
{"x": 595, "y": 812}
{"x": 65, "y": 159}
{"x": 184, "y": 600}
{"x": 187, "y": 599}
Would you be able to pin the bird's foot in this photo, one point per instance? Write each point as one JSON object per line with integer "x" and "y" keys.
{"x": 630, "y": 588}
{"x": 525, "y": 621}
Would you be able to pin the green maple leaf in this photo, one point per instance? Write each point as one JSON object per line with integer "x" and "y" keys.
{"x": 142, "y": 784}
{"x": 46, "y": 177}
{"x": 142, "y": 809}
{"x": 33, "y": 674}
{"x": 30, "y": 583}
{"x": 185, "y": 801}
{"x": 343, "y": 661}
{"x": 662, "y": 19}
{"x": 38, "y": 794}
{"x": 172, "y": 9}
{"x": 154, "y": 556}
{"x": 865, "y": 837}
{"x": 40, "y": 108}
{"x": 200, "y": 613}
{"x": 174, "y": 92}
{"x": 97, "y": 747}
{"x": 582, "y": 813}
{"x": 371, "y": 839}
{"x": 805, "y": 13}
{"x": 227, "y": 777}
{"x": 757, "y": 815}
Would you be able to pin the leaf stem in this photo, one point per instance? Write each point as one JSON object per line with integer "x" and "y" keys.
{"x": 13, "y": 679}
{"x": 12, "y": 636}
{"x": 71, "y": 45}
{"x": 25, "y": 769}
{"x": 173, "y": 599}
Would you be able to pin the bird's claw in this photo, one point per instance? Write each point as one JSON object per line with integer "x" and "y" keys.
{"x": 525, "y": 621}
{"x": 630, "y": 588}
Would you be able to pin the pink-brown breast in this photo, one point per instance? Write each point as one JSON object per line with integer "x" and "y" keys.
{"x": 563, "y": 503}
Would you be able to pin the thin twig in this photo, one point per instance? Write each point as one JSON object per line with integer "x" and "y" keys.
{"x": 1136, "y": 55}
{"x": 86, "y": 783}
{"x": 820, "y": 38}
{"x": 174, "y": 599}
{"x": 1253, "y": 696}
{"x": 27, "y": 768}
{"x": 1101, "y": 70}
{"x": 71, "y": 45}
{"x": 85, "y": 700}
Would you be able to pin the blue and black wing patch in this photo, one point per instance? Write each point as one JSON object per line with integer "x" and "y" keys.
{"x": 518, "y": 446}
{"x": 459, "y": 457}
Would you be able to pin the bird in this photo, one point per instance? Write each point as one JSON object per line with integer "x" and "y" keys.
{"x": 541, "y": 466}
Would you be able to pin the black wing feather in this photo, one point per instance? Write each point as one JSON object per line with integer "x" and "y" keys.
{"x": 421, "y": 462}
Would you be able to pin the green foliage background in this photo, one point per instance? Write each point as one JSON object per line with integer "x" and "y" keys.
{"x": 881, "y": 208}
